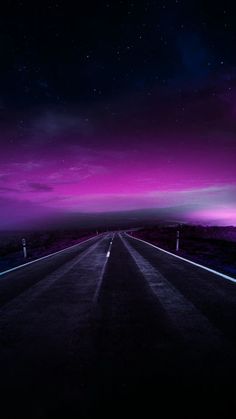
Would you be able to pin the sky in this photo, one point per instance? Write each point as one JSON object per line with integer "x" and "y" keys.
{"x": 118, "y": 106}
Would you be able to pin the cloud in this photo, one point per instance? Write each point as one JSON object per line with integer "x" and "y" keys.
{"x": 6, "y": 189}
{"x": 40, "y": 187}
{"x": 22, "y": 213}
{"x": 50, "y": 125}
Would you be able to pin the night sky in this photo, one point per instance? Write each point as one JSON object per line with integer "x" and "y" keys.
{"x": 115, "y": 106}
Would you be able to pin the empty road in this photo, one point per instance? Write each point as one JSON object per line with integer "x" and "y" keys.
{"x": 114, "y": 326}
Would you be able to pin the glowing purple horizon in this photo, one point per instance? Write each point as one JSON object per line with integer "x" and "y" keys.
{"x": 198, "y": 182}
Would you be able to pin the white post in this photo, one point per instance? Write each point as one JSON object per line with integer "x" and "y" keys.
{"x": 177, "y": 241}
{"x": 24, "y": 248}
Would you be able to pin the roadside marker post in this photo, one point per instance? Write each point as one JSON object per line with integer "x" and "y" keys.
{"x": 24, "y": 248}
{"x": 177, "y": 241}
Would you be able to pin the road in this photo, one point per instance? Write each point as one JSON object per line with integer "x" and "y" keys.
{"x": 113, "y": 326}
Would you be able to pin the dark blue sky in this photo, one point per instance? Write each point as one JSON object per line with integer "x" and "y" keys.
{"x": 56, "y": 53}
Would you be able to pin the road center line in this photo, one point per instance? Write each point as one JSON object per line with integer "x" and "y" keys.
{"x": 97, "y": 292}
{"x": 109, "y": 250}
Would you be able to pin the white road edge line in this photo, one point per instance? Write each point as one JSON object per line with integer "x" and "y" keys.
{"x": 108, "y": 254}
{"x": 47, "y": 256}
{"x": 229, "y": 278}
{"x": 40, "y": 287}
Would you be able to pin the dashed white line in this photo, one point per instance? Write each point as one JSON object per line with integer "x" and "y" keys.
{"x": 97, "y": 292}
{"x": 109, "y": 250}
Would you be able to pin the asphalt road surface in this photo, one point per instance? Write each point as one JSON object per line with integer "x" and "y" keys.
{"x": 115, "y": 327}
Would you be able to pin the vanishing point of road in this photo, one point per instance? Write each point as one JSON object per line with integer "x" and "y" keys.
{"x": 114, "y": 327}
